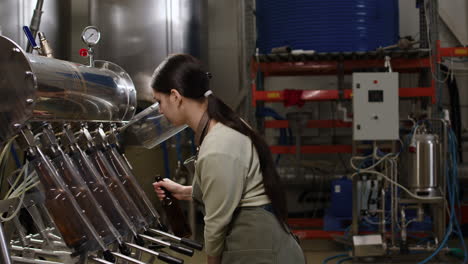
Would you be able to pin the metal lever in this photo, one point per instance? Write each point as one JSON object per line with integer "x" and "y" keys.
{"x": 183, "y": 241}
{"x": 177, "y": 248}
{"x": 162, "y": 256}
{"x": 32, "y": 261}
{"x": 98, "y": 260}
{"x": 30, "y": 37}
{"x": 129, "y": 259}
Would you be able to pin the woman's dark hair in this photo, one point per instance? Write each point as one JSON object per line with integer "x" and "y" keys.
{"x": 185, "y": 74}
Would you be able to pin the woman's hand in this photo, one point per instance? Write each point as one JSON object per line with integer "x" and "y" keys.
{"x": 179, "y": 191}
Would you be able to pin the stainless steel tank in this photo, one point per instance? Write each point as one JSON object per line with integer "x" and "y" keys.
{"x": 420, "y": 166}
{"x": 39, "y": 88}
{"x": 139, "y": 34}
{"x": 55, "y": 23}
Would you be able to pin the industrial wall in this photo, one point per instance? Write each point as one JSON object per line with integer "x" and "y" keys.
{"x": 231, "y": 43}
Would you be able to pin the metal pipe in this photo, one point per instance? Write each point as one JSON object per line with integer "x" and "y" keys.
{"x": 162, "y": 256}
{"x": 98, "y": 260}
{"x": 33, "y": 236}
{"x": 395, "y": 189}
{"x": 394, "y": 204}
{"x": 403, "y": 226}
{"x": 416, "y": 248}
{"x": 42, "y": 89}
{"x": 382, "y": 228}
{"x": 177, "y": 248}
{"x": 41, "y": 242}
{"x": 420, "y": 213}
{"x": 42, "y": 251}
{"x": 158, "y": 232}
{"x": 434, "y": 37}
{"x": 183, "y": 241}
{"x": 35, "y": 22}
{"x": 46, "y": 50}
{"x": 149, "y": 251}
{"x": 44, "y": 232}
{"x": 127, "y": 258}
{"x": 375, "y": 211}
{"x": 355, "y": 215}
{"x": 21, "y": 231}
{"x": 5, "y": 254}
{"x": 91, "y": 57}
{"x": 33, "y": 261}
{"x": 440, "y": 224}
{"x": 155, "y": 240}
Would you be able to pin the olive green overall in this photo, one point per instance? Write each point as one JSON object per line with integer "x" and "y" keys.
{"x": 255, "y": 236}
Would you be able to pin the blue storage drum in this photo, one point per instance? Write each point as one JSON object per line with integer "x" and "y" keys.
{"x": 327, "y": 25}
{"x": 341, "y": 200}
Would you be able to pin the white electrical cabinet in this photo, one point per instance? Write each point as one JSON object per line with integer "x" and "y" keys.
{"x": 375, "y": 106}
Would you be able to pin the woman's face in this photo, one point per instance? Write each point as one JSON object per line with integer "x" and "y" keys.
{"x": 169, "y": 106}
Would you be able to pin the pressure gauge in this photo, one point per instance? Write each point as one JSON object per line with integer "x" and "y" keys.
{"x": 91, "y": 35}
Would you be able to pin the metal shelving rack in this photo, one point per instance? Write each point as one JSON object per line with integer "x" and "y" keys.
{"x": 330, "y": 64}
{"x": 339, "y": 64}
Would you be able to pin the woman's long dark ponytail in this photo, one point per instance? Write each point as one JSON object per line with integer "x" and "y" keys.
{"x": 185, "y": 74}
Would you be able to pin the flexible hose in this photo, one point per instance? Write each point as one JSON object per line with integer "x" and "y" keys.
{"x": 334, "y": 257}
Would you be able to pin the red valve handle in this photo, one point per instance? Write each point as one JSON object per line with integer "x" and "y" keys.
{"x": 84, "y": 53}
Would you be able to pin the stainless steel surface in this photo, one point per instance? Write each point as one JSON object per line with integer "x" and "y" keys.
{"x": 4, "y": 252}
{"x": 21, "y": 231}
{"x": 149, "y": 128}
{"x": 138, "y": 35}
{"x": 41, "y": 242}
{"x": 159, "y": 232}
{"x": 60, "y": 90}
{"x": 17, "y": 85}
{"x": 129, "y": 259}
{"x": 103, "y": 195}
{"x": 420, "y": 168}
{"x": 43, "y": 251}
{"x": 98, "y": 260}
{"x": 35, "y": 22}
{"x": 155, "y": 240}
{"x": 55, "y": 22}
{"x": 46, "y": 50}
{"x": 132, "y": 186}
{"x": 69, "y": 91}
{"x": 143, "y": 249}
{"x": 368, "y": 245}
{"x": 32, "y": 261}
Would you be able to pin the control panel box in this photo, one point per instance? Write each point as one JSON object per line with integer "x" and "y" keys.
{"x": 375, "y": 106}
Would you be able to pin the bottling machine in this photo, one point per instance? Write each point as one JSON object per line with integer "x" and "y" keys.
{"x": 75, "y": 184}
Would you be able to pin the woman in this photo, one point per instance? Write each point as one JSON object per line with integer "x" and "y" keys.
{"x": 235, "y": 178}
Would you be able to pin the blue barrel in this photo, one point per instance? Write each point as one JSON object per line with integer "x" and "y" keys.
{"x": 327, "y": 25}
{"x": 341, "y": 200}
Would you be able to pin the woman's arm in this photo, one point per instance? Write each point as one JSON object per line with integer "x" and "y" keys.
{"x": 180, "y": 192}
{"x": 221, "y": 185}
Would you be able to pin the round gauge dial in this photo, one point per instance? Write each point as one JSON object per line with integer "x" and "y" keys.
{"x": 91, "y": 35}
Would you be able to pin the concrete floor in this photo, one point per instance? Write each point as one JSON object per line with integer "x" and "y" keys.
{"x": 318, "y": 250}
